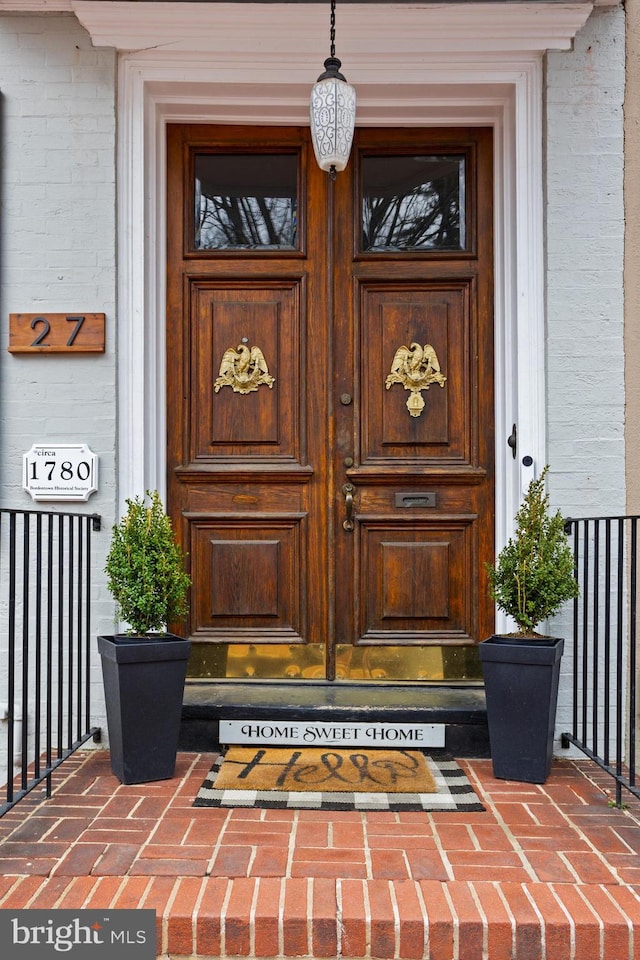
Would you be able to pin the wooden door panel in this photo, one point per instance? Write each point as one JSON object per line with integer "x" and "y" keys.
{"x": 413, "y": 576}
{"x": 392, "y": 318}
{"x": 250, "y": 577}
{"x": 264, "y": 422}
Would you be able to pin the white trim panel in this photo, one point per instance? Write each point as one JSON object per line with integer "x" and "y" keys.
{"x": 363, "y": 31}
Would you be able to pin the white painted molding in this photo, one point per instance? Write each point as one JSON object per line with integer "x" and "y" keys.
{"x": 289, "y": 32}
{"x": 361, "y": 28}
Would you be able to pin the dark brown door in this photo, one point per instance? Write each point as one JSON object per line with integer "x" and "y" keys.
{"x": 330, "y": 400}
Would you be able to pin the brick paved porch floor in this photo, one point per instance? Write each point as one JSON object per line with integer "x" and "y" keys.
{"x": 545, "y": 873}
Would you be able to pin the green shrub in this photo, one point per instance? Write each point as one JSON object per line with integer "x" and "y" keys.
{"x": 534, "y": 573}
{"x": 145, "y": 568}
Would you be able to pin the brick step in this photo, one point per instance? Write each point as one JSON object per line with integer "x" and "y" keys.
{"x": 269, "y": 917}
{"x": 461, "y": 708}
{"x": 400, "y": 919}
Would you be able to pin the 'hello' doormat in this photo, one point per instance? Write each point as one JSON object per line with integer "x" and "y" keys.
{"x": 328, "y": 770}
{"x": 318, "y": 779}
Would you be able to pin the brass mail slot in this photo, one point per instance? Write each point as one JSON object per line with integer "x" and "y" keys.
{"x": 420, "y": 499}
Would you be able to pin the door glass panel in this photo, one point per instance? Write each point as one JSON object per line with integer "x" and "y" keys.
{"x": 413, "y": 203}
{"x": 246, "y": 202}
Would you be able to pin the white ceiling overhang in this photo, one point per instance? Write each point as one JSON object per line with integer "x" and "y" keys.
{"x": 298, "y": 32}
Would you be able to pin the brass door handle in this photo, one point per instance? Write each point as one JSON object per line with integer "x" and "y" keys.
{"x": 348, "y": 490}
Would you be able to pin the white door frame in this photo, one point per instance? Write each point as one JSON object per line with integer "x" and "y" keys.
{"x": 463, "y": 64}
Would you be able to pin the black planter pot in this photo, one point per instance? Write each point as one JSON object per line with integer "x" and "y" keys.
{"x": 143, "y": 686}
{"x": 521, "y": 686}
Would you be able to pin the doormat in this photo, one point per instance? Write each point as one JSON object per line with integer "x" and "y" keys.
{"x": 315, "y": 768}
{"x": 317, "y": 779}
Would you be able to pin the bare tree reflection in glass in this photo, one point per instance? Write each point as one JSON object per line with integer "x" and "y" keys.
{"x": 413, "y": 203}
{"x": 245, "y": 202}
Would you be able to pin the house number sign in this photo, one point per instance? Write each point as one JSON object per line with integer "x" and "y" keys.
{"x": 60, "y": 471}
{"x": 56, "y": 332}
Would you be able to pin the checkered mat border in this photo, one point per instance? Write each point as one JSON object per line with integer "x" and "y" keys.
{"x": 455, "y": 793}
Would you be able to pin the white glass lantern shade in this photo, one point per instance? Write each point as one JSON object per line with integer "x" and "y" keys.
{"x": 333, "y": 117}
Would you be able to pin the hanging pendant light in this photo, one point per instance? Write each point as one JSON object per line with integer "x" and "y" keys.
{"x": 333, "y": 111}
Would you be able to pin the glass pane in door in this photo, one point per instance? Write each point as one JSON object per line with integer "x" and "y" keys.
{"x": 413, "y": 203}
{"x": 246, "y": 202}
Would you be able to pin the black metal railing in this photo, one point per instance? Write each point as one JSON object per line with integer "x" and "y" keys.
{"x": 45, "y": 581}
{"x": 605, "y": 645}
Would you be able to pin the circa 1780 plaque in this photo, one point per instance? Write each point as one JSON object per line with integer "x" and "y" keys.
{"x": 60, "y": 471}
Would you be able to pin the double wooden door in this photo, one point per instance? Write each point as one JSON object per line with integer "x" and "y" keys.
{"x": 330, "y": 400}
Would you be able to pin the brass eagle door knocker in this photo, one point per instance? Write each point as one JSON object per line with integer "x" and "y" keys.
{"x": 416, "y": 368}
{"x": 243, "y": 369}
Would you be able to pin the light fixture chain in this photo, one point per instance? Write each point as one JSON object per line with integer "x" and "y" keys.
{"x": 332, "y": 33}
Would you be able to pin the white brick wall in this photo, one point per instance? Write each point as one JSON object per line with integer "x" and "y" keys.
{"x": 585, "y": 307}
{"x": 58, "y": 222}
{"x": 585, "y": 240}
{"x": 57, "y": 243}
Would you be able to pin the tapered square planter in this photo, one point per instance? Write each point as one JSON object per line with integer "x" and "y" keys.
{"x": 143, "y": 686}
{"x": 521, "y": 686}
